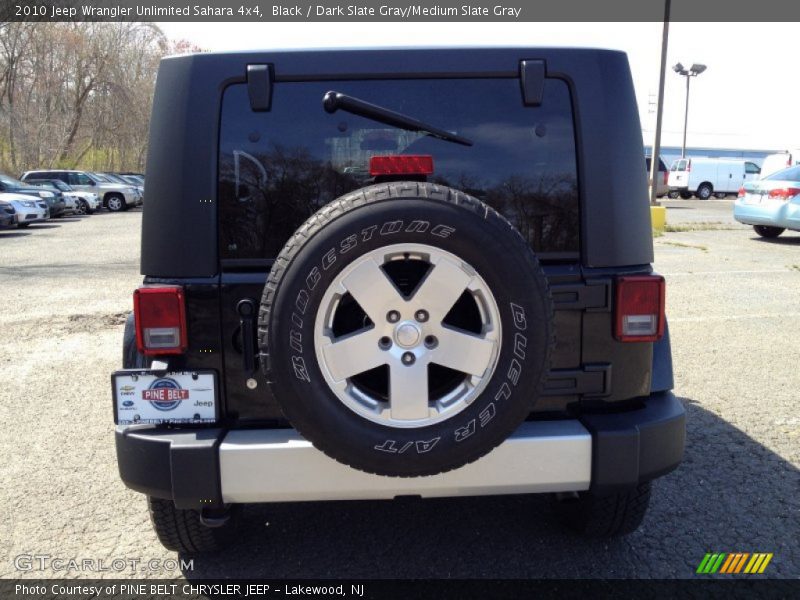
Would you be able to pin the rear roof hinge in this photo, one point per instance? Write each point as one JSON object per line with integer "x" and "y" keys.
{"x": 259, "y": 87}
{"x": 531, "y": 76}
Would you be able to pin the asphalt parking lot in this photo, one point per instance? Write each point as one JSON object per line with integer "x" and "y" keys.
{"x": 65, "y": 288}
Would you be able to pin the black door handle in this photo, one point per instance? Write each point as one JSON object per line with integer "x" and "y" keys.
{"x": 247, "y": 312}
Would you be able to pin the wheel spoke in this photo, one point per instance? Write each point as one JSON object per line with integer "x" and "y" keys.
{"x": 408, "y": 391}
{"x": 373, "y": 290}
{"x": 440, "y": 289}
{"x": 352, "y": 355}
{"x": 463, "y": 352}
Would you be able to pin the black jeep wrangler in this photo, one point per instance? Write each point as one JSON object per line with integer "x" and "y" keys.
{"x": 383, "y": 273}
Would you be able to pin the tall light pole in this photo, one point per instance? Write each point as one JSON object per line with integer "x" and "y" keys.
{"x": 693, "y": 71}
{"x": 656, "y": 153}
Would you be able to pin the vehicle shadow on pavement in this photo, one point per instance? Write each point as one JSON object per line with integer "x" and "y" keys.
{"x": 783, "y": 240}
{"x": 731, "y": 494}
{"x": 10, "y": 234}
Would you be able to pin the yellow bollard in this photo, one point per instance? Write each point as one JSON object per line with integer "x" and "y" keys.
{"x": 658, "y": 217}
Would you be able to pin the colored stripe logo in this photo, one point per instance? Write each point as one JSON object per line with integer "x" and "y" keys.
{"x": 734, "y": 563}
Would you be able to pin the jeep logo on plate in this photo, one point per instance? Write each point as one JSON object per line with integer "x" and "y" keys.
{"x": 165, "y": 394}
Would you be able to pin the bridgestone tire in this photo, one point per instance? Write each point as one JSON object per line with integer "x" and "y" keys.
{"x": 768, "y": 232}
{"x": 605, "y": 516}
{"x": 181, "y": 530}
{"x": 367, "y": 221}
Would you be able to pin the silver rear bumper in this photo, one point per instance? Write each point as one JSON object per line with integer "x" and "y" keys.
{"x": 278, "y": 465}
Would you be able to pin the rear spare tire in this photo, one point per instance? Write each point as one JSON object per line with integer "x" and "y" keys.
{"x": 405, "y": 329}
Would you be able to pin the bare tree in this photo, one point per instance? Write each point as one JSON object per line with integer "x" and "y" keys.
{"x": 78, "y": 94}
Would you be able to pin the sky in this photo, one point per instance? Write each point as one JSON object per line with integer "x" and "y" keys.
{"x": 744, "y": 100}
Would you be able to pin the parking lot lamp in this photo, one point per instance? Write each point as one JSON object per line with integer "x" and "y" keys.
{"x": 692, "y": 71}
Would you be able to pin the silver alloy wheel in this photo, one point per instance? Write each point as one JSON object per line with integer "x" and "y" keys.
{"x": 114, "y": 203}
{"x": 407, "y": 334}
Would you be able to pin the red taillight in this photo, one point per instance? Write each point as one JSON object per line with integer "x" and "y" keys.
{"x": 688, "y": 166}
{"x": 402, "y": 164}
{"x": 639, "y": 308}
{"x": 666, "y": 177}
{"x": 742, "y": 192}
{"x": 784, "y": 193}
{"x": 160, "y": 316}
{"x": 789, "y": 161}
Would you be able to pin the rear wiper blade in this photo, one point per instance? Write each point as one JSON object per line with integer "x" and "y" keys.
{"x": 333, "y": 101}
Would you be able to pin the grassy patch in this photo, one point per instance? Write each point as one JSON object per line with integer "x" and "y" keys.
{"x": 657, "y": 233}
{"x": 682, "y": 245}
{"x": 794, "y": 267}
{"x": 699, "y": 226}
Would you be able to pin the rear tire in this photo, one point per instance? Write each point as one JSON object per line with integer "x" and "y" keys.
{"x": 605, "y": 516}
{"x": 23, "y": 225}
{"x": 768, "y": 232}
{"x": 685, "y": 195}
{"x": 704, "y": 191}
{"x": 720, "y": 196}
{"x": 675, "y": 194}
{"x": 182, "y": 530}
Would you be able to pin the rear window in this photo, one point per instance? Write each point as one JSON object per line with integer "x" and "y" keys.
{"x": 277, "y": 168}
{"x": 680, "y": 165}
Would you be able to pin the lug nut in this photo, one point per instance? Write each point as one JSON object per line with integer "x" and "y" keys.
{"x": 385, "y": 343}
{"x": 408, "y": 358}
{"x": 421, "y": 315}
{"x": 431, "y": 341}
{"x": 393, "y": 316}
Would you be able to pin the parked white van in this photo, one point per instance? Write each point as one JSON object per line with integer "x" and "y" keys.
{"x": 778, "y": 161}
{"x": 702, "y": 177}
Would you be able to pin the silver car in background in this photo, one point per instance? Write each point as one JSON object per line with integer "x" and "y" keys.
{"x": 771, "y": 205}
{"x": 114, "y": 196}
{"x": 29, "y": 209}
{"x": 85, "y": 203}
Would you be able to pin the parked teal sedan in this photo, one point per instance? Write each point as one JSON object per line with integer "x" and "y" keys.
{"x": 771, "y": 205}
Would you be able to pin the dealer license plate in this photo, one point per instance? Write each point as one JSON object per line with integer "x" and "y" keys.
{"x": 143, "y": 396}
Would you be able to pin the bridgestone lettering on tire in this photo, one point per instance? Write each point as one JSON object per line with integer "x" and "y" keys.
{"x": 405, "y": 329}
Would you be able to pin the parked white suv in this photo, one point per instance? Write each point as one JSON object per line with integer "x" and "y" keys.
{"x": 114, "y": 196}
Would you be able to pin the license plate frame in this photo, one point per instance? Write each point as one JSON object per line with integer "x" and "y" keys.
{"x": 157, "y": 397}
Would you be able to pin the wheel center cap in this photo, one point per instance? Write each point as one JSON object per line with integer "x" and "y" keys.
{"x": 407, "y": 334}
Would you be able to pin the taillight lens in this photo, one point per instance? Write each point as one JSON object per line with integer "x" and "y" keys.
{"x": 402, "y": 164}
{"x": 160, "y": 315}
{"x": 666, "y": 177}
{"x": 639, "y": 308}
{"x": 742, "y": 192}
{"x": 784, "y": 193}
